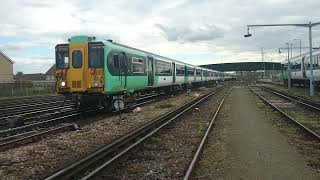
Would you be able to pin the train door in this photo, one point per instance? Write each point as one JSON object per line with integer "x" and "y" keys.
{"x": 78, "y": 67}
{"x": 150, "y": 71}
{"x": 174, "y": 73}
{"x": 123, "y": 70}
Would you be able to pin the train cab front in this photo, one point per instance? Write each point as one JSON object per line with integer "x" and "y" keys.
{"x": 79, "y": 69}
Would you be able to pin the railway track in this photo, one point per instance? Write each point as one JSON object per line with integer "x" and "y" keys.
{"x": 197, "y": 154}
{"x": 302, "y": 114}
{"x": 31, "y": 108}
{"x": 37, "y": 130}
{"x": 301, "y": 99}
{"x": 27, "y": 101}
{"x": 88, "y": 166}
{"x": 32, "y": 136}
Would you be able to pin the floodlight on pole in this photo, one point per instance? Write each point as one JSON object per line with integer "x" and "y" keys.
{"x": 308, "y": 25}
{"x": 248, "y": 33}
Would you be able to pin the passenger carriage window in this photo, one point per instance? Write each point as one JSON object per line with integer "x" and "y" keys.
{"x": 77, "y": 59}
{"x": 198, "y": 72}
{"x": 160, "y": 68}
{"x": 190, "y": 71}
{"x": 168, "y": 69}
{"x": 180, "y": 70}
{"x": 137, "y": 65}
{"x": 116, "y": 62}
{"x": 164, "y": 68}
{"x": 316, "y": 65}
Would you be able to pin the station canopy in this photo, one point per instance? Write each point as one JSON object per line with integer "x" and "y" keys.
{"x": 244, "y": 66}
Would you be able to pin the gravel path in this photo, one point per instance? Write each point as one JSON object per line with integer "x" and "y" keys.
{"x": 38, "y": 160}
{"x": 252, "y": 147}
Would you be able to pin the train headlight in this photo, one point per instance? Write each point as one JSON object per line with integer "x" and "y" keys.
{"x": 63, "y": 84}
{"x": 95, "y": 81}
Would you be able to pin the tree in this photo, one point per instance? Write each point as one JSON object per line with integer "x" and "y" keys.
{"x": 19, "y": 75}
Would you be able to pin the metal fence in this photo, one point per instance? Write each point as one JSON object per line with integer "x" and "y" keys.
{"x": 26, "y": 88}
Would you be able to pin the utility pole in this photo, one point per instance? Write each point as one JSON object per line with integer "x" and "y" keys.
{"x": 309, "y": 26}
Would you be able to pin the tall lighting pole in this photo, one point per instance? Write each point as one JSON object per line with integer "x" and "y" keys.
{"x": 291, "y": 50}
{"x": 263, "y": 65}
{"x": 289, "y": 69}
{"x": 308, "y": 25}
{"x": 299, "y": 43}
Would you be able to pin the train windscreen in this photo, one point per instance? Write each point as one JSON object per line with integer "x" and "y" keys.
{"x": 62, "y": 57}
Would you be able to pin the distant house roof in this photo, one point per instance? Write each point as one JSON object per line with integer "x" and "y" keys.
{"x": 51, "y": 70}
{"x": 3, "y": 54}
{"x": 33, "y": 77}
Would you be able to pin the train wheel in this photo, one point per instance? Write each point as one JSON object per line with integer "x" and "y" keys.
{"x": 107, "y": 104}
{"x": 77, "y": 104}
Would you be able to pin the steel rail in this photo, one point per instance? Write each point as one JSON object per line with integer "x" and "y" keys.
{"x": 303, "y": 127}
{"x": 121, "y": 146}
{"x": 204, "y": 139}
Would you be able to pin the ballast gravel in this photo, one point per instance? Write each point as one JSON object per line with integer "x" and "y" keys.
{"x": 38, "y": 160}
{"x": 167, "y": 154}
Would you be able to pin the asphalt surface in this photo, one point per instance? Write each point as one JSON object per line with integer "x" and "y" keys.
{"x": 257, "y": 149}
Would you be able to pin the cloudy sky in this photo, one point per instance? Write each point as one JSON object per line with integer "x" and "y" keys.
{"x": 194, "y": 31}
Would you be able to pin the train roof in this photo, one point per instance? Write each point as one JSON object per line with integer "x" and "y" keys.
{"x": 307, "y": 54}
{"x": 159, "y": 56}
{"x": 81, "y": 39}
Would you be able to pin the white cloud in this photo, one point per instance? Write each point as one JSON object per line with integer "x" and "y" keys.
{"x": 199, "y": 32}
{"x": 32, "y": 64}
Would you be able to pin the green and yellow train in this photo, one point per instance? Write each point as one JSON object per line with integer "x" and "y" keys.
{"x": 98, "y": 72}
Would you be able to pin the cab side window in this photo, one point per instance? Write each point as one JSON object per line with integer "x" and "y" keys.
{"x": 96, "y": 56}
